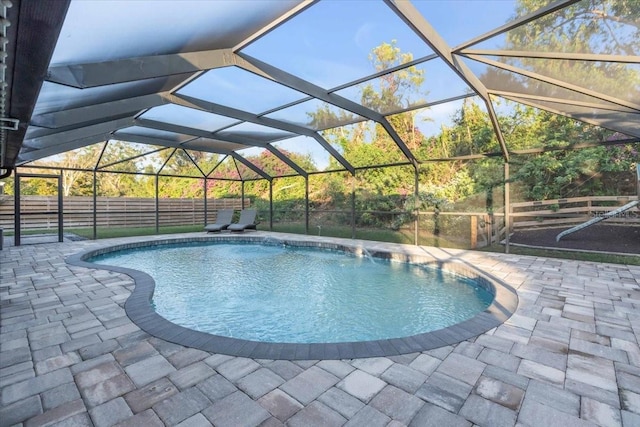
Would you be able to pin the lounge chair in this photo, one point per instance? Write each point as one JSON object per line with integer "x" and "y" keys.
{"x": 224, "y": 218}
{"x": 247, "y": 221}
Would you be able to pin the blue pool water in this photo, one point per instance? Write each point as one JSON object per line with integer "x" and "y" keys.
{"x": 295, "y": 295}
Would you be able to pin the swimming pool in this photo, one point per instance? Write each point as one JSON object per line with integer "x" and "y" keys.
{"x": 280, "y": 293}
{"x": 390, "y": 317}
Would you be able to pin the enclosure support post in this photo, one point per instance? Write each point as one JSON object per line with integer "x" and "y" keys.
{"x": 60, "y": 210}
{"x": 16, "y": 210}
{"x": 507, "y": 207}
{"x": 95, "y": 206}
{"x": 306, "y": 204}
{"x": 353, "y": 206}
{"x": 206, "y": 212}
{"x": 271, "y": 205}
{"x": 157, "y": 204}
{"x": 242, "y": 194}
{"x": 416, "y": 189}
{"x": 474, "y": 232}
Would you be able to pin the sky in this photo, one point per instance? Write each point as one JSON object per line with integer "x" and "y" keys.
{"x": 327, "y": 44}
{"x": 338, "y": 36}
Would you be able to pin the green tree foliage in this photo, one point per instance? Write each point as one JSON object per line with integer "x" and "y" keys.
{"x": 589, "y": 26}
{"x": 121, "y": 184}
{"x": 179, "y": 162}
{"x": 602, "y": 26}
{"x": 585, "y": 172}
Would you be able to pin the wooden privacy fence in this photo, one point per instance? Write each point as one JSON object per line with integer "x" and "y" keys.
{"x": 571, "y": 211}
{"x": 40, "y": 212}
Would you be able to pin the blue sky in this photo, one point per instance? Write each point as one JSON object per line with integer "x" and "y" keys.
{"x": 327, "y": 44}
{"x": 333, "y": 40}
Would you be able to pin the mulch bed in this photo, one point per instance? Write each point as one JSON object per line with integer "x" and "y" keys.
{"x": 599, "y": 237}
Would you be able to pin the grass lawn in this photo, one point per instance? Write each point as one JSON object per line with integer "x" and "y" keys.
{"x": 405, "y": 236}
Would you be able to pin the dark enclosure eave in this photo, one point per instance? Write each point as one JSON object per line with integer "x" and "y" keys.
{"x": 35, "y": 27}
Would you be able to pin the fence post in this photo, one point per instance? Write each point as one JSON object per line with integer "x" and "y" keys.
{"x": 270, "y": 205}
{"x": 306, "y": 204}
{"x": 416, "y": 224}
{"x": 95, "y": 206}
{"x": 242, "y": 194}
{"x": 353, "y": 206}
{"x": 489, "y": 225}
{"x": 206, "y": 212}
{"x": 16, "y": 209}
{"x": 157, "y": 205}
{"x": 507, "y": 207}
{"x": 60, "y": 209}
{"x": 474, "y": 232}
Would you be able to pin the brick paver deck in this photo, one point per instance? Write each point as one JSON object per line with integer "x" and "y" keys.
{"x": 69, "y": 355}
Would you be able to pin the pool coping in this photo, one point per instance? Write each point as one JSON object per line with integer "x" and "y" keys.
{"x": 138, "y": 306}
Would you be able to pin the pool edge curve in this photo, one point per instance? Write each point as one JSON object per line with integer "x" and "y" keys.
{"x": 138, "y": 305}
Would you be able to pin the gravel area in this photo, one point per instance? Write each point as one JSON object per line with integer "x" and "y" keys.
{"x": 599, "y": 237}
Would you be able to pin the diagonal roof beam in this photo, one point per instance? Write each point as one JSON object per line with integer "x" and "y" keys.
{"x": 187, "y": 101}
{"x": 556, "y": 82}
{"x": 569, "y": 56}
{"x": 274, "y": 24}
{"x": 144, "y": 139}
{"x": 213, "y": 145}
{"x": 40, "y": 153}
{"x": 211, "y": 107}
{"x": 78, "y": 133}
{"x": 194, "y": 163}
{"x": 587, "y": 118}
{"x": 386, "y": 71}
{"x": 250, "y": 165}
{"x": 507, "y": 94}
{"x": 550, "y": 8}
{"x": 170, "y": 127}
{"x": 129, "y": 106}
{"x": 293, "y": 165}
{"x": 137, "y": 156}
{"x": 204, "y": 134}
{"x": 94, "y": 74}
{"x": 308, "y": 88}
{"x": 410, "y": 15}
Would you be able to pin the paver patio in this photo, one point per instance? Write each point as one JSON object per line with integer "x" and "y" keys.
{"x": 69, "y": 355}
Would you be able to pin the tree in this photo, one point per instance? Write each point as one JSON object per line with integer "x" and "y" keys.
{"x": 126, "y": 183}
{"x": 74, "y": 165}
{"x": 605, "y": 26}
{"x": 590, "y": 26}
